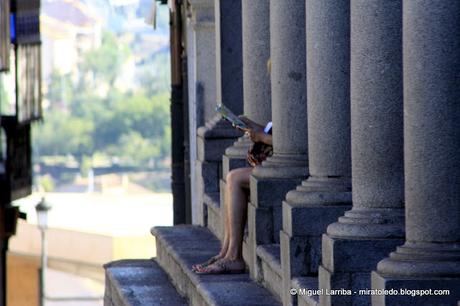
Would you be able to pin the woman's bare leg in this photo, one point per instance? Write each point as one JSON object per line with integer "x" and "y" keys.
{"x": 235, "y": 208}
{"x": 226, "y": 241}
{"x": 234, "y": 178}
{"x": 238, "y": 181}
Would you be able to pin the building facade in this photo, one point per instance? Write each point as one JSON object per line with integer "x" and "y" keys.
{"x": 360, "y": 202}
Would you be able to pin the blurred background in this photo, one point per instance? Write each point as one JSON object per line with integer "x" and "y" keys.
{"x": 100, "y": 155}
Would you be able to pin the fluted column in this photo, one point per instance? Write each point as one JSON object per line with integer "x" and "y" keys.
{"x": 216, "y": 135}
{"x": 375, "y": 225}
{"x": 326, "y": 194}
{"x": 430, "y": 257}
{"x": 289, "y": 164}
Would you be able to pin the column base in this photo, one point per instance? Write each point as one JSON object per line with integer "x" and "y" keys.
{"x": 307, "y": 212}
{"x": 269, "y": 184}
{"x": 283, "y": 166}
{"x": 369, "y": 223}
{"x": 419, "y": 266}
{"x": 298, "y": 257}
{"x": 265, "y": 213}
{"x": 260, "y": 231}
{"x": 336, "y": 281}
{"x": 212, "y": 140}
{"x": 207, "y": 178}
{"x": 235, "y": 156}
{"x": 423, "y": 260}
{"x": 404, "y": 291}
{"x": 347, "y": 264}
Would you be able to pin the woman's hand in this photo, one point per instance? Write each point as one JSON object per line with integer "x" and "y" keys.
{"x": 258, "y": 135}
{"x": 255, "y": 131}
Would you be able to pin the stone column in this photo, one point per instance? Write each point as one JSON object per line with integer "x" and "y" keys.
{"x": 202, "y": 85}
{"x": 256, "y": 76}
{"x": 289, "y": 164}
{"x": 326, "y": 194}
{"x": 216, "y": 135}
{"x": 430, "y": 257}
{"x": 256, "y": 85}
{"x": 353, "y": 245}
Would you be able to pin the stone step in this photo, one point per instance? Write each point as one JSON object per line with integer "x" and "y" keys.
{"x": 304, "y": 286}
{"x": 139, "y": 282}
{"x": 179, "y": 247}
{"x": 270, "y": 265}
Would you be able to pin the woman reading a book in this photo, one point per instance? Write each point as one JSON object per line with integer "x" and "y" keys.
{"x": 230, "y": 257}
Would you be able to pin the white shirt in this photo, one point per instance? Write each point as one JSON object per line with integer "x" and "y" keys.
{"x": 268, "y": 127}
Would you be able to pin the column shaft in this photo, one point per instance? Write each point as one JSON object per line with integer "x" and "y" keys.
{"x": 256, "y": 76}
{"x": 430, "y": 258}
{"x": 375, "y": 225}
{"x": 229, "y": 54}
{"x": 256, "y": 53}
{"x": 288, "y": 87}
{"x": 376, "y": 122}
{"x": 289, "y": 164}
{"x": 289, "y": 107}
{"x": 325, "y": 195}
{"x": 216, "y": 135}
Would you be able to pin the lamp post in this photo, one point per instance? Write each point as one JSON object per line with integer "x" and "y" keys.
{"x": 42, "y": 209}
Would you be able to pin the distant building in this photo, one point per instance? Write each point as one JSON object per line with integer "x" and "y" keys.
{"x": 68, "y": 27}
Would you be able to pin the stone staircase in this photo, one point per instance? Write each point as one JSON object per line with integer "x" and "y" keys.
{"x": 268, "y": 282}
{"x": 137, "y": 282}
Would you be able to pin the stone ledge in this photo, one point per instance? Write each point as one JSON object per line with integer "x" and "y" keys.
{"x": 180, "y": 247}
{"x": 306, "y": 283}
{"x": 270, "y": 263}
{"x": 139, "y": 282}
{"x": 212, "y": 200}
{"x": 214, "y": 215}
{"x": 270, "y": 253}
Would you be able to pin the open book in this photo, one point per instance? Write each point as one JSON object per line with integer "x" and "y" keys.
{"x": 231, "y": 117}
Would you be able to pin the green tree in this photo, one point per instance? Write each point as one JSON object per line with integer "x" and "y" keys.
{"x": 60, "y": 89}
{"x": 136, "y": 116}
{"x": 104, "y": 63}
{"x": 134, "y": 127}
{"x": 62, "y": 134}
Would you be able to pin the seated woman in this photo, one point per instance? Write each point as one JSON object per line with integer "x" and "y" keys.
{"x": 230, "y": 257}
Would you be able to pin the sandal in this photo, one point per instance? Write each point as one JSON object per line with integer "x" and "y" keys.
{"x": 208, "y": 262}
{"x": 222, "y": 267}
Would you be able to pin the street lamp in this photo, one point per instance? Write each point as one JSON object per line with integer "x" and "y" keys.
{"x": 42, "y": 209}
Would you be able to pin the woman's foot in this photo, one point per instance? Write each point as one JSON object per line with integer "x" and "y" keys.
{"x": 224, "y": 266}
{"x": 208, "y": 262}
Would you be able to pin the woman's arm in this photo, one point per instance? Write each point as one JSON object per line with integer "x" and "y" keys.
{"x": 267, "y": 139}
{"x": 258, "y": 135}
{"x": 256, "y": 132}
